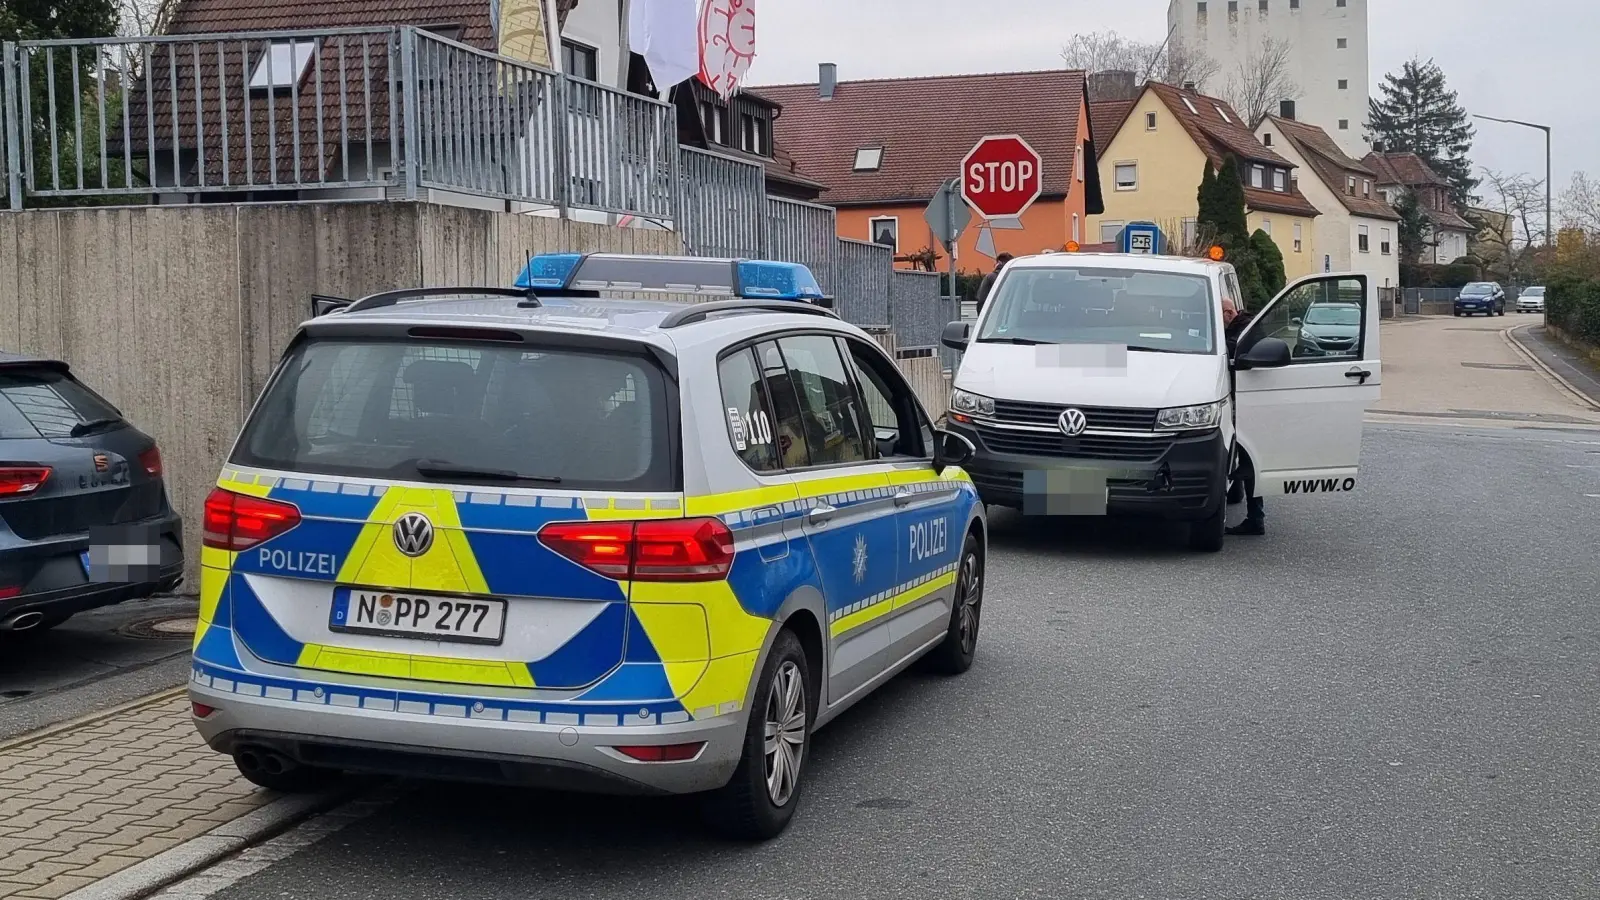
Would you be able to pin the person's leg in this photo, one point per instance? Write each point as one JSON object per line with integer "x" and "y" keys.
{"x": 1255, "y": 520}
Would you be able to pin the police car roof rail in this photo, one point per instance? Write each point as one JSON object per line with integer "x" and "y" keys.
{"x": 699, "y": 312}
{"x": 390, "y": 298}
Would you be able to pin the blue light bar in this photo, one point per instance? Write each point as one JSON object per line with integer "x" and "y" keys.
{"x": 762, "y": 280}
{"x": 549, "y": 270}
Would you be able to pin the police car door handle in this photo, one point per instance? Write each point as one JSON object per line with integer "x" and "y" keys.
{"x": 1360, "y": 373}
{"x": 903, "y": 498}
{"x": 821, "y": 515}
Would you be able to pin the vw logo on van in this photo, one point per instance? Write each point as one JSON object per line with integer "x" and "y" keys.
{"x": 1073, "y": 422}
{"x": 413, "y": 534}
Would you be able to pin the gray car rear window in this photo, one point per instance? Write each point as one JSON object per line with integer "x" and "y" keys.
{"x": 569, "y": 419}
{"x": 40, "y": 402}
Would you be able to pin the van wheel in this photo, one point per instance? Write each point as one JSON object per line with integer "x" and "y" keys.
{"x": 1208, "y": 534}
{"x": 761, "y": 798}
{"x": 955, "y": 653}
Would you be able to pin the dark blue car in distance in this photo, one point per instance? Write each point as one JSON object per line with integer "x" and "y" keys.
{"x": 1481, "y": 297}
{"x": 84, "y": 516}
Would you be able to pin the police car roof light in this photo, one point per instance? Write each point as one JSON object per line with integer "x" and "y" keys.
{"x": 549, "y": 270}
{"x": 767, "y": 280}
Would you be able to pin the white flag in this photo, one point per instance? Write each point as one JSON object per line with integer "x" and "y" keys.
{"x": 663, "y": 32}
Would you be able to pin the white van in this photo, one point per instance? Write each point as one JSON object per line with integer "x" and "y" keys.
{"x": 1102, "y": 384}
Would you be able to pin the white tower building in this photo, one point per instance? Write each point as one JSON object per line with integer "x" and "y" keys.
{"x": 1328, "y": 62}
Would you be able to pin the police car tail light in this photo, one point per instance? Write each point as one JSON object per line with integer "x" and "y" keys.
{"x": 19, "y": 481}
{"x": 239, "y": 522}
{"x": 657, "y": 550}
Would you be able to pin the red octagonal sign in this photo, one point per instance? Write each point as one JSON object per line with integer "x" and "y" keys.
{"x": 1000, "y": 177}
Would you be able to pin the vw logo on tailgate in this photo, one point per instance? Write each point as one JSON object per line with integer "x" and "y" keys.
{"x": 413, "y": 534}
{"x": 1073, "y": 422}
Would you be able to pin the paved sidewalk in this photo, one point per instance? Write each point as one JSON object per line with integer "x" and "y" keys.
{"x": 1579, "y": 373}
{"x": 83, "y": 801}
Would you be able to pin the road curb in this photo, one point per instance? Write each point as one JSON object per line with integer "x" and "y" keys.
{"x": 50, "y": 731}
{"x": 145, "y": 878}
{"x": 1510, "y": 337}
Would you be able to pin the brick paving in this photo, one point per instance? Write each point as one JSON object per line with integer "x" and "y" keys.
{"x": 80, "y": 803}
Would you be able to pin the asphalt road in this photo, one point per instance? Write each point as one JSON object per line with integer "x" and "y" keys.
{"x": 1393, "y": 695}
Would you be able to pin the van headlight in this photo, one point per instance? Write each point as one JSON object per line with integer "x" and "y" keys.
{"x": 971, "y": 404}
{"x": 1190, "y": 418}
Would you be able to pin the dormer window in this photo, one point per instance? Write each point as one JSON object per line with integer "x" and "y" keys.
{"x": 283, "y": 65}
{"x": 1280, "y": 180}
{"x": 869, "y": 159}
{"x": 1258, "y": 176}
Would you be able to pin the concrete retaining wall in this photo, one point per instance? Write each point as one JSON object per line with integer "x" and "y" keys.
{"x": 177, "y": 314}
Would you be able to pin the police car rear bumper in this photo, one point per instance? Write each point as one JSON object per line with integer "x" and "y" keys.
{"x": 1188, "y": 482}
{"x": 564, "y": 757}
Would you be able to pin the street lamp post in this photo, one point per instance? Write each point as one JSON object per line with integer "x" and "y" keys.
{"x": 1549, "y": 193}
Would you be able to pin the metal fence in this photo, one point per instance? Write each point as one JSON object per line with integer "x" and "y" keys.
{"x": 722, "y": 205}
{"x": 862, "y": 282}
{"x": 803, "y": 233}
{"x": 917, "y": 310}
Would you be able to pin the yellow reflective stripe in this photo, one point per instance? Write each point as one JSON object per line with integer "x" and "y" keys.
{"x": 213, "y": 580}
{"x": 884, "y": 607}
{"x": 243, "y": 484}
{"x": 839, "y": 484}
{"x": 737, "y": 501}
{"x": 422, "y": 668}
{"x": 917, "y": 593}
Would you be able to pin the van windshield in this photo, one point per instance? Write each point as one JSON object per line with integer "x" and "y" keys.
{"x": 465, "y": 412}
{"x": 1162, "y": 312}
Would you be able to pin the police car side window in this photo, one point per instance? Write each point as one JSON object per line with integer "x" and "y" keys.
{"x": 830, "y": 418}
{"x": 751, "y": 426}
{"x": 892, "y": 411}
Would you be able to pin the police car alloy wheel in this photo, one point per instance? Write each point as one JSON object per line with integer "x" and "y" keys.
{"x": 955, "y": 654}
{"x": 761, "y": 798}
{"x": 785, "y": 732}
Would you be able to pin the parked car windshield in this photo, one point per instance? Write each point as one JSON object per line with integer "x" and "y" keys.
{"x": 1477, "y": 289}
{"x": 1163, "y": 312}
{"x": 1334, "y": 315}
{"x": 420, "y": 411}
{"x": 1533, "y": 292}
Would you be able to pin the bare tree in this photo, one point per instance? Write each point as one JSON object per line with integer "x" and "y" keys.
{"x": 1580, "y": 204}
{"x": 142, "y": 17}
{"x": 1261, "y": 79}
{"x": 1511, "y": 221}
{"x": 1172, "y": 62}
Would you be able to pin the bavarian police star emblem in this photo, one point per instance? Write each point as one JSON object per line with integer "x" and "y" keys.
{"x": 860, "y": 560}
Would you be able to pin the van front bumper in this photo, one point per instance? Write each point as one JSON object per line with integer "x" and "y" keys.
{"x": 480, "y": 744}
{"x": 1188, "y": 481}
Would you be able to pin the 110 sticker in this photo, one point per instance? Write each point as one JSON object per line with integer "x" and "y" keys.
{"x": 749, "y": 429}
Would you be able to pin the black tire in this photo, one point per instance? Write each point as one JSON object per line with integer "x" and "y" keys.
{"x": 955, "y": 653}
{"x": 1209, "y": 534}
{"x": 745, "y": 809}
{"x": 278, "y": 773}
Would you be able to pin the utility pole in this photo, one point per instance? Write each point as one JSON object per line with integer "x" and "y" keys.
{"x": 1549, "y": 180}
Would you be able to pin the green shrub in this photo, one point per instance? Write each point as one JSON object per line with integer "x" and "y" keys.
{"x": 1573, "y": 305}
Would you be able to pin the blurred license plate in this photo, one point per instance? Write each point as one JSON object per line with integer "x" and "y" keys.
{"x": 467, "y": 620}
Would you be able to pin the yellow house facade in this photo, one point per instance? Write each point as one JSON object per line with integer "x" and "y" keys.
{"x": 1151, "y": 166}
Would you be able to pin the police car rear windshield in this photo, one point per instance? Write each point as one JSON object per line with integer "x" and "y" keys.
{"x": 466, "y": 413}
{"x": 1162, "y": 312}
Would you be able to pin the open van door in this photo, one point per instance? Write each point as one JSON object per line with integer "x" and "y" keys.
{"x": 1307, "y": 369}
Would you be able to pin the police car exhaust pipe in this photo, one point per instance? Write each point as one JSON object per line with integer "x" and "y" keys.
{"x": 260, "y": 759}
{"x": 26, "y": 621}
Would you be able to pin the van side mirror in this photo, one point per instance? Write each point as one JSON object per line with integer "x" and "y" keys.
{"x": 956, "y": 335}
{"x": 1267, "y": 353}
{"x": 322, "y": 305}
{"x": 951, "y": 449}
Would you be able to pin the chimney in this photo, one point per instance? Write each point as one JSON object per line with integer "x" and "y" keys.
{"x": 1377, "y": 146}
{"x": 1114, "y": 84}
{"x": 1190, "y": 86}
{"x": 827, "y": 80}
{"x": 1286, "y": 109}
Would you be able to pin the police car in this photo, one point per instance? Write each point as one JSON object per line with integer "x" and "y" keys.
{"x": 572, "y": 534}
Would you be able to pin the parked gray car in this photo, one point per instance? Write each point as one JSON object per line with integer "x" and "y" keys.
{"x": 84, "y": 517}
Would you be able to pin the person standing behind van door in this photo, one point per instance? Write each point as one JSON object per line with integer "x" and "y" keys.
{"x": 1235, "y": 321}
{"x": 989, "y": 279}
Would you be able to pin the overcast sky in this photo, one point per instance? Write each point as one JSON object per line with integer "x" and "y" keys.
{"x": 1535, "y": 60}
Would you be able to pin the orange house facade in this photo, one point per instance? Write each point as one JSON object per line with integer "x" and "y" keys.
{"x": 884, "y": 147}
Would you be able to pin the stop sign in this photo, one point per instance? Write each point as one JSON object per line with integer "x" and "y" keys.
{"x": 1000, "y": 177}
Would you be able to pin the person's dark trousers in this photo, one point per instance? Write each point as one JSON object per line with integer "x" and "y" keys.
{"x": 1255, "y": 519}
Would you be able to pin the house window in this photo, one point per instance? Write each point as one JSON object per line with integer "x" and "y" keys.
{"x": 711, "y": 118}
{"x": 1224, "y": 115}
{"x": 1200, "y": 13}
{"x": 580, "y": 60}
{"x": 1109, "y": 231}
{"x": 1297, "y": 235}
{"x": 1233, "y": 7}
{"x": 1266, "y": 225}
{"x": 1077, "y": 163}
{"x": 1264, "y": 5}
{"x": 1339, "y": 3}
{"x": 885, "y": 231}
{"x": 1294, "y": 4}
{"x": 1127, "y": 176}
{"x": 1191, "y": 232}
{"x": 1266, "y": 139}
{"x": 869, "y": 159}
{"x": 1363, "y": 239}
{"x": 284, "y": 65}
{"x": 1384, "y": 246}
{"x": 751, "y": 134}
{"x": 1076, "y": 233}
{"x": 1350, "y": 185}
{"x": 1344, "y": 43}
{"x": 1191, "y": 106}
{"x": 1149, "y": 121}
{"x": 1344, "y": 84}
{"x": 1344, "y": 124}
{"x": 1258, "y": 176}
{"x": 1366, "y": 188}
{"x": 1280, "y": 180}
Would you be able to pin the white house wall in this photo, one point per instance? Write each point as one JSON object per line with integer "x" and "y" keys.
{"x": 598, "y": 24}
{"x": 1337, "y": 230}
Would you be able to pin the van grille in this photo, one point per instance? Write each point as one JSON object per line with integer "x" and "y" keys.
{"x": 1100, "y": 418}
{"x": 1037, "y": 443}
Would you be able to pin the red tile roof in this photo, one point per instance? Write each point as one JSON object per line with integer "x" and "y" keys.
{"x": 1408, "y": 169}
{"x": 1106, "y": 118}
{"x": 1330, "y": 164}
{"x": 1215, "y": 127}
{"x": 926, "y": 126}
{"x": 197, "y": 16}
